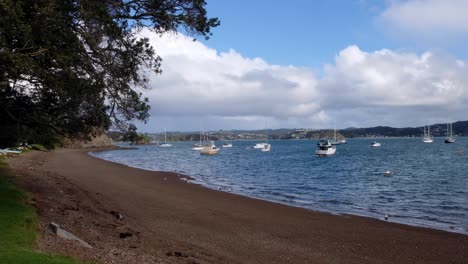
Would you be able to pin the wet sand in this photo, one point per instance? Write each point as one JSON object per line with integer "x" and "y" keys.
{"x": 177, "y": 222}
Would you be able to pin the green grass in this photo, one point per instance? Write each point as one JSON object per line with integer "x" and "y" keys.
{"x": 18, "y": 226}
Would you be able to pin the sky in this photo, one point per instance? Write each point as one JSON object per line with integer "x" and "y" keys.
{"x": 310, "y": 64}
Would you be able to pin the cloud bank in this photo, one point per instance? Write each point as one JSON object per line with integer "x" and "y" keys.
{"x": 227, "y": 91}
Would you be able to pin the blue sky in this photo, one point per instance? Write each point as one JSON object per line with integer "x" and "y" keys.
{"x": 309, "y": 63}
{"x": 300, "y": 32}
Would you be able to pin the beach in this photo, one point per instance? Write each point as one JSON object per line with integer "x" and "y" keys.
{"x": 169, "y": 220}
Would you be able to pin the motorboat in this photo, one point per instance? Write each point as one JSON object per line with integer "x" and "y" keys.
{"x": 375, "y": 144}
{"x": 260, "y": 145}
{"x": 227, "y": 145}
{"x": 266, "y": 148}
{"x": 325, "y": 148}
{"x": 209, "y": 149}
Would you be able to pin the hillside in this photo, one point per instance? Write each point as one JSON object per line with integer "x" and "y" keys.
{"x": 460, "y": 128}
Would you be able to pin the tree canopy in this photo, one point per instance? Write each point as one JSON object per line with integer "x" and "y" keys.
{"x": 69, "y": 66}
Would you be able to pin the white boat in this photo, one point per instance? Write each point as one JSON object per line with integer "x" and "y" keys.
{"x": 260, "y": 145}
{"x": 375, "y": 144}
{"x": 9, "y": 151}
{"x": 427, "y": 138}
{"x": 335, "y": 140}
{"x": 450, "y": 138}
{"x": 198, "y": 146}
{"x": 325, "y": 148}
{"x": 266, "y": 147}
{"x": 165, "y": 144}
{"x": 227, "y": 145}
{"x": 209, "y": 149}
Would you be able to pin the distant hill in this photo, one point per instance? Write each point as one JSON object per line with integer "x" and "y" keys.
{"x": 460, "y": 128}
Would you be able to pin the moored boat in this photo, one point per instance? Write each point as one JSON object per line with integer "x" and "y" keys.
{"x": 325, "y": 148}
{"x": 209, "y": 149}
{"x": 266, "y": 148}
{"x": 450, "y": 138}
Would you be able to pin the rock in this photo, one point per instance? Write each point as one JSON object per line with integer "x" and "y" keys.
{"x": 118, "y": 215}
{"x": 125, "y": 234}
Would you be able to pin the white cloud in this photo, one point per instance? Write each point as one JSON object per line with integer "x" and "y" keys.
{"x": 227, "y": 90}
{"x": 427, "y": 18}
{"x": 199, "y": 81}
{"x": 394, "y": 88}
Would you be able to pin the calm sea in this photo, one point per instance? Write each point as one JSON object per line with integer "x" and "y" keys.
{"x": 429, "y": 186}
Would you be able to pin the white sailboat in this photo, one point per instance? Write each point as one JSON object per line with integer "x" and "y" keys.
{"x": 427, "y": 138}
{"x": 198, "y": 146}
{"x": 450, "y": 138}
{"x": 165, "y": 144}
{"x": 335, "y": 140}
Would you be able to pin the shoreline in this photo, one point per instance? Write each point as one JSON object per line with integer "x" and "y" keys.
{"x": 168, "y": 216}
{"x": 198, "y": 182}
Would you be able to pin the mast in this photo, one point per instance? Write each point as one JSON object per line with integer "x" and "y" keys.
{"x": 334, "y": 131}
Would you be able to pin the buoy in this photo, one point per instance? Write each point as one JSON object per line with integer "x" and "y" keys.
{"x": 388, "y": 173}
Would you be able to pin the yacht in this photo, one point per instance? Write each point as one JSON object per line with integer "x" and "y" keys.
{"x": 165, "y": 144}
{"x": 209, "y": 149}
{"x": 450, "y": 138}
{"x": 335, "y": 140}
{"x": 375, "y": 144}
{"x": 198, "y": 146}
{"x": 427, "y": 138}
{"x": 325, "y": 148}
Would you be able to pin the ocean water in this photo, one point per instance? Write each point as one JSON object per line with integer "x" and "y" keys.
{"x": 429, "y": 186}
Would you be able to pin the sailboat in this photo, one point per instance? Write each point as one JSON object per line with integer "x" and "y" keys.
{"x": 335, "y": 141}
{"x": 198, "y": 146}
{"x": 427, "y": 138}
{"x": 165, "y": 144}
{"x": 450, "y": 138}
{"x": 266, "y": 146}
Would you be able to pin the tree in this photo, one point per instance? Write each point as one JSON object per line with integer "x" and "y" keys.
{"x": 131, "y": 135}
{"x": 69, "y": 66}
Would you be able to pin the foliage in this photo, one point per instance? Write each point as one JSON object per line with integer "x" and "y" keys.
{"x": 17, "y": 227}
{"x": 67, "y": 67}
{"x": 131, "y": 135}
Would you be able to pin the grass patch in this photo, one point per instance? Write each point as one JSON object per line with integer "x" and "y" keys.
{"x": 18, "y": 224}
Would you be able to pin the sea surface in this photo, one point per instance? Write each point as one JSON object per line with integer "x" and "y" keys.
{"x": 429, "y": 185}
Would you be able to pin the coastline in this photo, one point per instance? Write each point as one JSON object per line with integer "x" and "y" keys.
{"x": 169, "y": 216}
